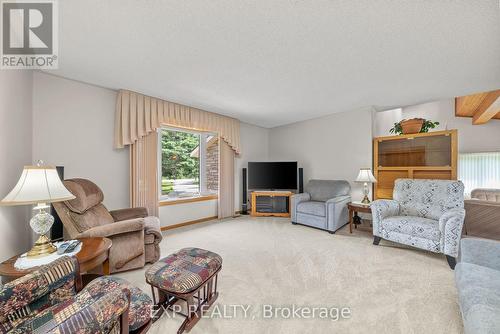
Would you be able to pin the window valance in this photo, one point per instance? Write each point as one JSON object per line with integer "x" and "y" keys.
{"x": 138, "y": 115}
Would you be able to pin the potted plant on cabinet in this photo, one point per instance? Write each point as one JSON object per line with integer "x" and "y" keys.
{"x": 412, "y": 126}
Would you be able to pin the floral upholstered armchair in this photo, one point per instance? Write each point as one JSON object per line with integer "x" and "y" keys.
{"x": 427, "y": 214}
{"x": 46, "y": 301}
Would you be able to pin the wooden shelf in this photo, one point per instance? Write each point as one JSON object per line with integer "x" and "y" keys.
{"x": 416, "y": 135}
{"x": 416, "y": 168}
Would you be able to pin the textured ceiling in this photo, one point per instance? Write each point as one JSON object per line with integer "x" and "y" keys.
{"x": 273, "y": 62}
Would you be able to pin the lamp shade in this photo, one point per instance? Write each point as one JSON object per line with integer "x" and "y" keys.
{"x": 38, "y": 184}
{"x": 365, "y": 175}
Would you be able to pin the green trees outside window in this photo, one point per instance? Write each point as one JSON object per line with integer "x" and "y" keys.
{"x": 179, "y": 169}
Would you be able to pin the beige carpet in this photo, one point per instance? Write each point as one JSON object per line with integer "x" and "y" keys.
{"x": 389, "y": 289}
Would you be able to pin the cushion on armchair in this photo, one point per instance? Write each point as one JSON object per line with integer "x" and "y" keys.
{"x": 323, "y": 190}
{"x": 129, "y": 213}
{"x": 93, "y": 217}
{"x": 312, "y": 208}
{"x": 484, "y": 194}
{"x": 87, "y": 194}
{"x": 428, "y": 198}
{"x": 415, "y": 226}
{"x": 86, "y": 210}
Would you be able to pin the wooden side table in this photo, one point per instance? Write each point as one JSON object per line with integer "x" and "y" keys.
{"x": 94, "y": 253}
{"x": 354, "y": 208}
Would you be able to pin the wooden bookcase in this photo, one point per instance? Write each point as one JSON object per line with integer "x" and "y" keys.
{"x": 276, "y": 199}
{"x": 418, "y": 156}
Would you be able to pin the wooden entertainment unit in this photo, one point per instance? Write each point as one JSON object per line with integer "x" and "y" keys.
{"x": 271, "y": 203}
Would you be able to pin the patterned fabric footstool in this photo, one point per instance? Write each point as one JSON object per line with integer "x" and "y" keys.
{"x": 189, "y": 275}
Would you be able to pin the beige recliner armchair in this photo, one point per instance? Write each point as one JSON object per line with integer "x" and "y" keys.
{"x": 135, "y": 235}
{"x": 482, "y": 218}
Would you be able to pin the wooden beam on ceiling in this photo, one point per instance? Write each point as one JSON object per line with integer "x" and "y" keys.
{"x": 487, "y": 110}
{"x": 477, "y": 104}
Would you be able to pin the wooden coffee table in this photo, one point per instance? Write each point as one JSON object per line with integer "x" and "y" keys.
{"x": 94, "y": 253}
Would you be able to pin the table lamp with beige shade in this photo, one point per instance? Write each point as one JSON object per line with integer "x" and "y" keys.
{"x": 39, "y": 185}
{"x": 366, "y": 176}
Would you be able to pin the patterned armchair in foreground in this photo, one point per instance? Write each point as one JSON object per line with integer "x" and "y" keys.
{"x": 427, "y": 214}
{"x": 46, "y": 301}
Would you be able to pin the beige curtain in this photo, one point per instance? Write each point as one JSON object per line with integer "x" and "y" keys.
{"x": 144, "y": 173}
{"x": 138, "y": 115}
{"x": 137, "y": 118}
{"x": 226, "y": 181}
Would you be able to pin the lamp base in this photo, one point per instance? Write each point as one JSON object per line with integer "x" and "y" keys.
{"x": 42, "y": 247}
{"x": 366, "y": 200}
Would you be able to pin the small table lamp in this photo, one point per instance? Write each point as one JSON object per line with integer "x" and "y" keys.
{"x": 365, "y": 175}
{"x": 39, "y": 185}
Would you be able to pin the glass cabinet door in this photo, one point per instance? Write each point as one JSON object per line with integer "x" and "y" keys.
{"x": 415, "y": 152}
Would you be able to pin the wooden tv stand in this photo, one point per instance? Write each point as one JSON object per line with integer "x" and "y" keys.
{"x": 276, "y": 200}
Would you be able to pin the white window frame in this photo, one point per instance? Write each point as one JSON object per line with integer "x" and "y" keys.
{"x": 202, "y": 159}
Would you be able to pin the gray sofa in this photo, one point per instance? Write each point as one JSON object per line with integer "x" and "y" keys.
{"x": 477, "y": 276}
{"x": 323, "y": 205}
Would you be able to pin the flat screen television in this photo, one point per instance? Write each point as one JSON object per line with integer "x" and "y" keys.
{"x": 272, "y": 175}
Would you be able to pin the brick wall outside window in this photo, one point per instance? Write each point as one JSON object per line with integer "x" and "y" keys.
{"x": 213, "y": 166}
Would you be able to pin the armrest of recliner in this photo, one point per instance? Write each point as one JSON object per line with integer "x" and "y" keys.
{"x": 109, "y": 230}
{"x": 129, "y": 213}
{"x": 382, "y": 208}
{"x": 295, "y": 200}
{"x": 152, "y": 226}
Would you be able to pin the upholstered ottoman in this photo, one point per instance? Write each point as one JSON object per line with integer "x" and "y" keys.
{"x": 189, "y": 275}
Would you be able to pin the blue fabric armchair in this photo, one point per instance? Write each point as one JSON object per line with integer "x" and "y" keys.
{"x": 427, "y": 214}
{"x": 323, "y": 205}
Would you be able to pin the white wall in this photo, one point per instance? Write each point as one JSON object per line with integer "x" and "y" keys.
{"x": 73, "y": 127}
{"x": 181, "y": 213}
{"x": 15, "y": 152}
{"x": 471, "y": 138}
{"x": 254, "y": 147}
{"x": 331, "y": 147}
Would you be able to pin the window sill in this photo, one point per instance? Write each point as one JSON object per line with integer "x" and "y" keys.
{"x": 175, "y": 201}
